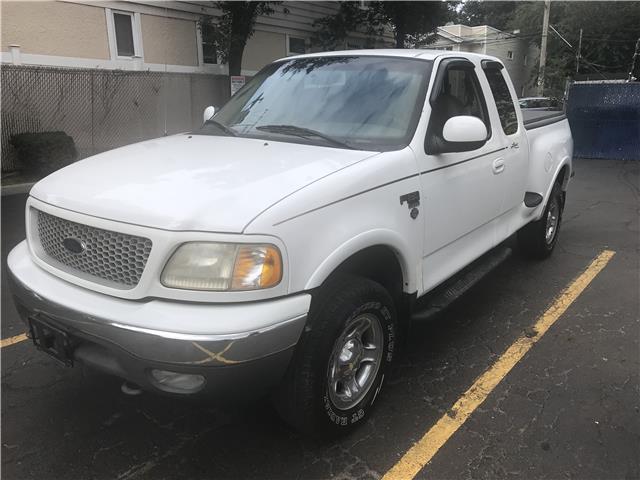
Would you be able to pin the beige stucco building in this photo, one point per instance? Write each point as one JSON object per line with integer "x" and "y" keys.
{"x": 110, "y": 73}
{"x": 148, "y": 35}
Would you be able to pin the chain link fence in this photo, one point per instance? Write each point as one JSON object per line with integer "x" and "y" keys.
{"x": 102, "y": 109}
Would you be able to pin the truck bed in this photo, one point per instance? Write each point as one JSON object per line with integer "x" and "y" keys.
{"x": 539, "y": 118}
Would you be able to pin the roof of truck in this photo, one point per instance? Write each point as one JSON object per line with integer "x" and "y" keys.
{"x": 398, "y": 52}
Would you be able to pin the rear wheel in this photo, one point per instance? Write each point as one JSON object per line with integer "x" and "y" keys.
{"x": 340, "y": 362}
{"x": 539, "y": 238}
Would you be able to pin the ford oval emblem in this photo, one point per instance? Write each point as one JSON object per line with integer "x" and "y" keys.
{"x": 74, "y": 245}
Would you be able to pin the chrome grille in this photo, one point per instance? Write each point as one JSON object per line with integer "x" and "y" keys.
{"x": 113, "y": 257}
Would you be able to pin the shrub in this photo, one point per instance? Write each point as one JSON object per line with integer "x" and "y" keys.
{"x": 44, "y": 152}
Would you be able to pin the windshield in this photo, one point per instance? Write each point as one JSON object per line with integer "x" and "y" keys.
{"x": 367, "y": 103}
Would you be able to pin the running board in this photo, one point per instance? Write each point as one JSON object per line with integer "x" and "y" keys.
{"x": 444, "y": 295}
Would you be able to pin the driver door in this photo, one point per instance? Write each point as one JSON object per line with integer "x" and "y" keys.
{"x": 461, "y": 183}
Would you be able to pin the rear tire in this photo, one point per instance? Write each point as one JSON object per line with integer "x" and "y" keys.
{"x": 538, "y": 239}
{"x": 341, "y": 359}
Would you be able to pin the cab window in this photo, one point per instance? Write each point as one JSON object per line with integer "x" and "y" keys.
{"x": 504, "y": 102}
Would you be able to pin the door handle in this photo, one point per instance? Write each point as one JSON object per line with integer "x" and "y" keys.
{"x": 498, "y": 166}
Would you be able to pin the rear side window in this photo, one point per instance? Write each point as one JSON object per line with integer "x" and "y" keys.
{"x": 504, "y": 102}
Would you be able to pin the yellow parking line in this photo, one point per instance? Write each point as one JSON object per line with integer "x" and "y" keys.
{"x": 423, "y": 451}
{"x": 5, "y": 342}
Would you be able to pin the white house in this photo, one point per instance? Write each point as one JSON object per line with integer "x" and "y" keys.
{"x": 519, "y": 54}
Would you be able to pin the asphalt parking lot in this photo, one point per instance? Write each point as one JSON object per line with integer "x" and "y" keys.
{"x": 569, "y": 409}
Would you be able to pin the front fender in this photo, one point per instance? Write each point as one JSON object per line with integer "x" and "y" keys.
{"x": 355, "y": 208}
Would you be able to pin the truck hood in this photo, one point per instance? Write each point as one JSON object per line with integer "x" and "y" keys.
{"x": 191, "y": 182}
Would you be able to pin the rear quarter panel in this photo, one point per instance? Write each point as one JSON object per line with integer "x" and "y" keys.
{"x": 550, "y": 150}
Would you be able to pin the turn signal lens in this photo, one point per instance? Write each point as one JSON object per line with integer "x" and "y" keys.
{"x": 257, "y": 266}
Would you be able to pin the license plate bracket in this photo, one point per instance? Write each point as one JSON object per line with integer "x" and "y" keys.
{"x": 51, "y": 339}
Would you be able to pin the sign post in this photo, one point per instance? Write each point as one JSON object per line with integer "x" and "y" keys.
{"x": 237, "y": 82}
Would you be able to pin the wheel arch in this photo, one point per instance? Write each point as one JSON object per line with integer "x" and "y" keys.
{"x": 561, "y": 174}
{"x": 379, "y": 255}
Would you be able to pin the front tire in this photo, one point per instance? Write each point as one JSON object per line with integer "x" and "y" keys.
{"x": 341, "y": 359}
{"x": 538, "y": 239}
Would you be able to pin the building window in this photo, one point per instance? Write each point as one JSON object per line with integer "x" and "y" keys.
{"x": 123, "y": 26}
{"x": 209, "y": 51}
{"x": 509, "y": 55}
{"x": 124, "y": 32}
{"x": 525, "y": 60}
{"x": 296, "y": 45}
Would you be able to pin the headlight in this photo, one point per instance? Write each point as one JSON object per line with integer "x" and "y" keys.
{"x": 223, "y": 266}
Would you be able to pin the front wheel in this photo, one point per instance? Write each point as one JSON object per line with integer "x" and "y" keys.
{"x": 538, "y": 239}
{"x": 340, "y": 362}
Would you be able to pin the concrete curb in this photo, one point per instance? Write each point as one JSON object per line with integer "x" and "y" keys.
{"x": 16, "y": 189}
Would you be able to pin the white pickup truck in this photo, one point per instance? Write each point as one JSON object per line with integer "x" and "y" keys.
{"x": 286, "y": 245}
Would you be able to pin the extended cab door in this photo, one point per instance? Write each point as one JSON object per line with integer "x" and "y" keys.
{"x": 461, "y": 183}
{"x": 510, "y": 129}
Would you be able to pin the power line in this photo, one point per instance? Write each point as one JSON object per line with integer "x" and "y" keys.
{"x": 591, "y": 64}
{"x": 561, "y": 37}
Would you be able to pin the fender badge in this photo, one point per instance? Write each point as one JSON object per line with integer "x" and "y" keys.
{"x": 413, "y": 201}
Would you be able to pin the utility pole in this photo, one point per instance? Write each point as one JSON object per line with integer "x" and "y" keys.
{"x": 543, "y": 47}
{"x": 579, "y": 52}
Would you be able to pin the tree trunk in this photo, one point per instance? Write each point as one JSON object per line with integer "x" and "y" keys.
{"x": 242, "y": 21}
{"x": 236, "y": 51}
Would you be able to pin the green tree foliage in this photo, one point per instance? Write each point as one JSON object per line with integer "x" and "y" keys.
{"x": 332, "y": 30}
{"x": 610, "y": 31}
{"x": 412, "y": 22}
{"x": 497, "y": 14}
{"x": 415, "y": 19}
{"x": 234, "y": 27}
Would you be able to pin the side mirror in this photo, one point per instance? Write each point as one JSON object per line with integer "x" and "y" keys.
{"x": 209, "y": 112}
{"x": 464, "y": 129}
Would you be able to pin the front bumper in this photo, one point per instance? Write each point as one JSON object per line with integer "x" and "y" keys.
{"x": 242, "y": 347}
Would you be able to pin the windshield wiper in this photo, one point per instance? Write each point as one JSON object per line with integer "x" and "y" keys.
{"x": 302, "y": 132}
{"x": 222, "y": 127}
